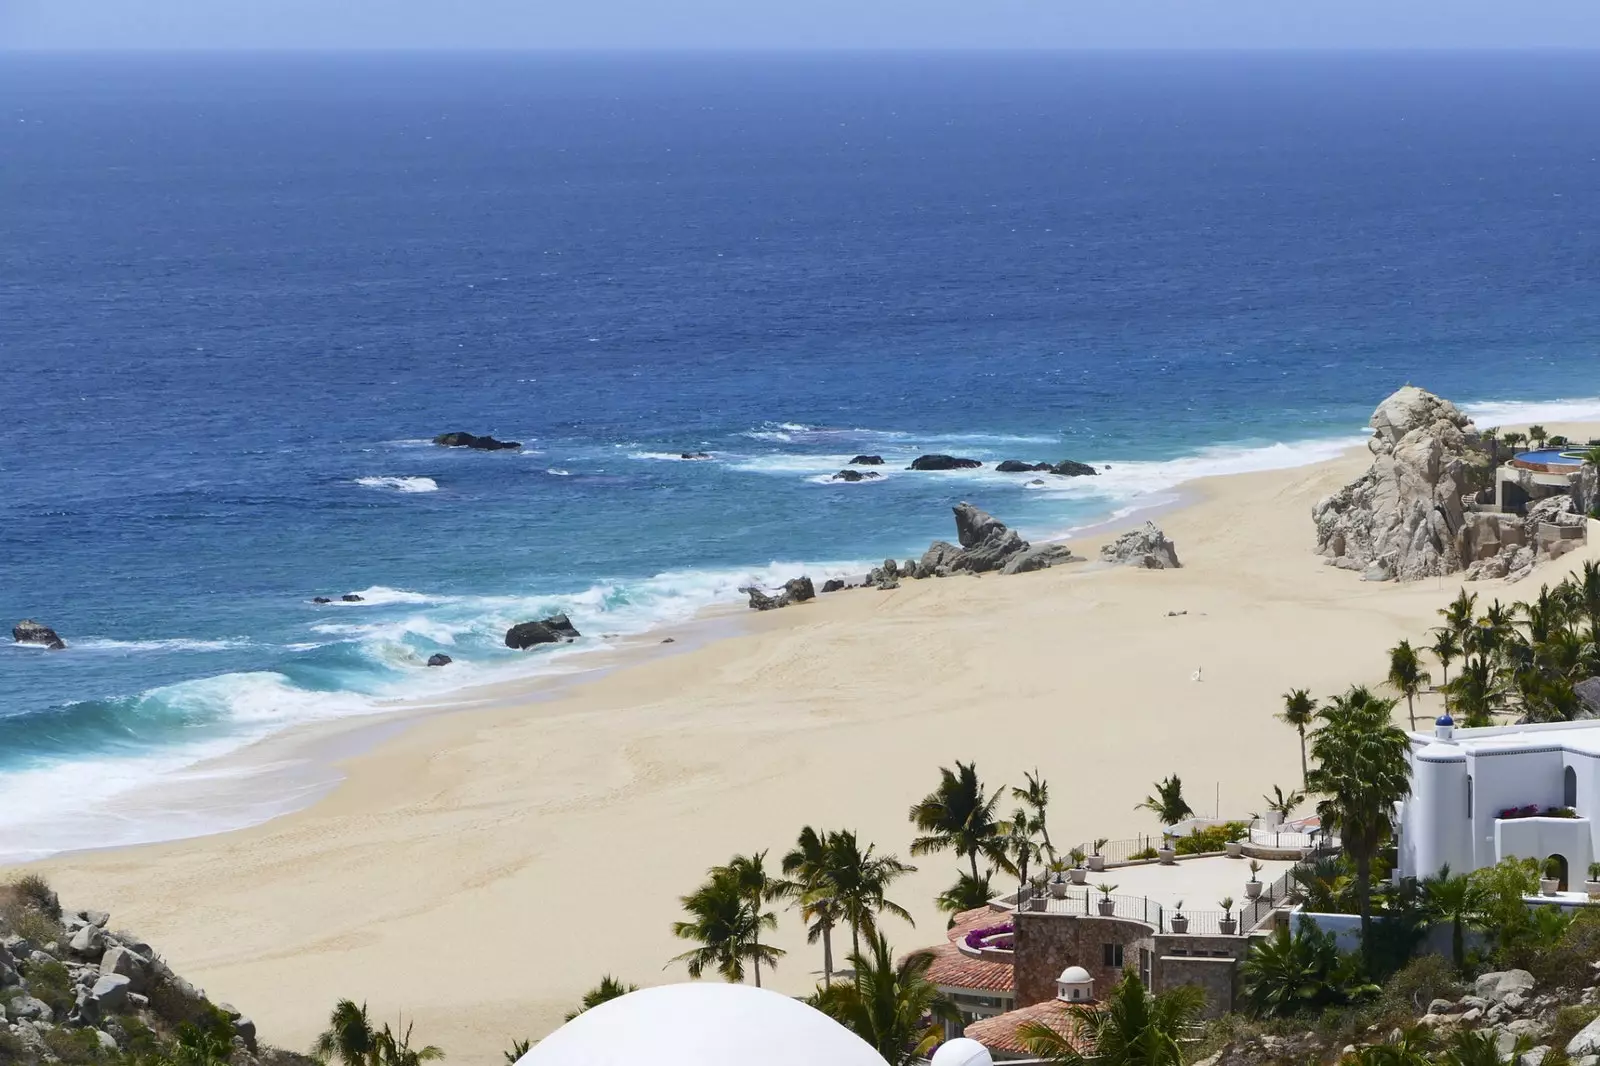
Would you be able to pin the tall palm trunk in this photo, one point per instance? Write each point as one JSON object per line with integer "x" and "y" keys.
{"x": 1364, "y": 902}
{"x": 973, "y": 855}
{"x": 1411, "y": 709}
{"x": 1305, "y": 772}
{"x": 827, "y": 953}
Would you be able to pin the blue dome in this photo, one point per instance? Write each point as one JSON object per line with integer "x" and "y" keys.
{"x": 1445, "y": 719}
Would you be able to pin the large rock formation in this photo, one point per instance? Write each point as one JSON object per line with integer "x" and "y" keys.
{"x": 855, "y": 475}
{"x": 1019, "y": 466}
{"x": 1493, "y": 545}
{"x": 475, "y": 442}
{"x": 795, "y": 590}
{"x": 867, "y": 460}
{"x": 1401, "y": 519}
{"x": 1146, "y": 546}
{"x": 986, "y": 544}
{"x": 1070, "y": 468}
{"x": 28, "y": 631}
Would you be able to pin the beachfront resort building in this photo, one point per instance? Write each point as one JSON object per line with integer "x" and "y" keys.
{"x": 1481, "y": 795}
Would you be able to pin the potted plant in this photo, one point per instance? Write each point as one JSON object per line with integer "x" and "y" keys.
{"x": 1080, "y": 875}
{"x": 1180, "y": 921}
{"x": 1036, "y": 901}
{"x": 1228, "y": 923}
{"x": 1058, "y": 878}
{"x": 1097, "y": 861}
{"x": 1108, "y": 906}
{"x": 1592, "y": 886}
{"x": 1252, "y": 887}
{"x": 1550, "y": 883}
{"x": 1167, "y": 853}
{"x": 1236, "y": 840}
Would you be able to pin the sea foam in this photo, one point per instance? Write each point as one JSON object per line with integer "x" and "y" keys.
{"x": 399, "y": 484}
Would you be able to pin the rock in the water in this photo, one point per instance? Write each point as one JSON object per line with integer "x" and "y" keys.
{"x": 695, "y": 455}
{"x": 795, "y": 590}
{"x": 561, "y": 626}
{"x": 833, "y": 584}
{"x": 321, "y": 599}
{"x": 1146, "y": 546}
{"x": 28, "y": 631}
{"x": 528, "y": 634}
{"x": 1017, "y": 466}
{"x": 1401, "y": 519}
{"x": 351, "y": 597}
{"x": 867, "y": 460}
{"x": 855, "y": 475}
{"x": 1070, "y": 468}
{"x": 439, "y": 659}
{"x": 472, "y": 440}
{"x": 943, "y": 462}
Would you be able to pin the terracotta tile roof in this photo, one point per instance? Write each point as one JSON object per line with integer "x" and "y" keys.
{"x": 952, "y": 968}
{"x": 1000, "y": 1032}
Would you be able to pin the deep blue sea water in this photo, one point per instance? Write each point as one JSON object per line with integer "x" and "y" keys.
{"x": 238, "y": 294}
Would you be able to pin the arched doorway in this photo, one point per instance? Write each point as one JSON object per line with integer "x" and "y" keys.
{"x": 1556, "y": 865}
{"x": 1569, "y": 787}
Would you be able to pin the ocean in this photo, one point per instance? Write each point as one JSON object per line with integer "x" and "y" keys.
{"x": 240, "y": 293}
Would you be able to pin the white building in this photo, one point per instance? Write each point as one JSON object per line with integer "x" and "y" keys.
{"x": 1481, "y": 795}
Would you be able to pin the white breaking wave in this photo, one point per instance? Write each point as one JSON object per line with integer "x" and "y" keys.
{"x": 554, "y": 472}
{"x": 382, "y": 596}
{"x": 400, "y": 484}
{"x": 170, "y": 644}
{"x": 676, "y": 457}
{"x": 1518, "y": 413}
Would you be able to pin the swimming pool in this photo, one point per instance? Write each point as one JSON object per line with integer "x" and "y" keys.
{"x": 1550, "y": 459}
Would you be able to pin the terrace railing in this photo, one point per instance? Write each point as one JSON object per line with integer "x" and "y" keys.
{"x": 1256, "y": 912}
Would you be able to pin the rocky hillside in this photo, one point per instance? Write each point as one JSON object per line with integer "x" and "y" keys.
{"x": 73, "y": 990}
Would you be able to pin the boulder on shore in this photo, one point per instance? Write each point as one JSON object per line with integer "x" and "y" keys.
{"x": 867, "y": 460}
{"x": 833, "y": 584}
{"x": 1146, "y": 546}
{"x": 1071, "y": 468}
{"x": 986, "y": 544}
{"x": 439, "y": 659}
{"x": 475, "y": 442}
{"x": 554, "y": 630}
{"x": 28, "y": 631}
{"x": 1401, "y": 519}
{"x": 943, "y": 462}
{"x": 795, "y": 590}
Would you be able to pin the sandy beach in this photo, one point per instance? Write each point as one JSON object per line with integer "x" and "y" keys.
{"x": 480, "y": 869}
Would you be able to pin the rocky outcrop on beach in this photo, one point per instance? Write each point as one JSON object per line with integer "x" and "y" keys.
{"x": 943, "y": 462}
{"x": 867, "y": 460}
{"x": 555, "y": 630}
{"x": 1401, "y": 519}
{"x": 985, "y": 544}
{"x": 28, "y": 631}
{"x": 1145, "y": 547}
{"x": 475, "y": 442}
{"x": 833, "y": 584}
{"x": 795, "y": 590}
{"x": 74, "y": 990}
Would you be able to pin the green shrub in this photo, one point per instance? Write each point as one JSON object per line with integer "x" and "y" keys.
{"x": 52, "y": 984}
{"x": 1419, "y": 982}
{"x": 73, "y": 1046}
{"x": 1214, "y": 838}
{"x": 1569, "y": 1020}
{"x": 34, "y": 891}
{"x": 1147, "y": 853}
{"x": 1565, "y": 963}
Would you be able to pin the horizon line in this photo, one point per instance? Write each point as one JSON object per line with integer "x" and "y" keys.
{"x": 865, "y": 50}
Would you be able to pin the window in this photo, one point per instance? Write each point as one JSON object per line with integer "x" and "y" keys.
{"x": 1569, "y": 787}
{"x": 1469, "y": 795}
{"x": 1112, "y": 954}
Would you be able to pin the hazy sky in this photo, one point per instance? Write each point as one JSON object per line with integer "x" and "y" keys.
{"x": 69, "y": 24}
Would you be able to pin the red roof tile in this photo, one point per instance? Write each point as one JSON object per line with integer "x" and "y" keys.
{"x": 1000, "y": 1032}
{"x": 953, "y": 968}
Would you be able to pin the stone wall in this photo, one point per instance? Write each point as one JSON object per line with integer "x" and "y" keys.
{"x": 1046, "y": 944}
{"x": 1210, "y": 962}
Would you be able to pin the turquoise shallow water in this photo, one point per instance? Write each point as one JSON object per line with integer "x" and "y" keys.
{"x": 238, "y": 295}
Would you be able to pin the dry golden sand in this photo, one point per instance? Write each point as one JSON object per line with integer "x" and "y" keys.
{"x": 482, "y": 868}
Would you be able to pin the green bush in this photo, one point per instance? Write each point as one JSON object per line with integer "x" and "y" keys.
{"x": 73, "y": 1046}
{"x": 1147, "y": 853}
{"x": 1565, "y": 963}
{"x": 1419, "y": 982}
{"x": 1214, "y": 838}
{"x": 34, "y": 891}
{"x": 51, "y": 983}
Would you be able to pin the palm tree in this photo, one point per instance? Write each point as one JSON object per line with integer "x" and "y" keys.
{"x": 1407, "y": 676}
{"x": 861, "y": 880}
{"x": 1036, "y": 797}
{"x": 1455, "y": 899}
{"x": 1290, "y": 972}
{"x": 726, "y": 918}
{"x": 1409, "y": 1049}
{"x": 1363, "y": 772}
{"x": 1446, "y": 648}
{"x": 968, "y": 892}
{"x": 1168, "y": 802}
{"x": 893, "y": 1007}
{"x": 608, "y": 989}
{"x": 1459, "y": 614}
{"x": 199, "y": 1045}
{"x": 1481, "y": 1047}
{"x": 1513, "y": 438}
{"x": 1021, "y": 845}
{"x": 1538, "y": 435}
{"x": 1477, "y": 692}
{"x": 520, "y": 1048}
{"x": 1131, "y": 1028}
{"x": 1299, "y": 711}
{"x": 396, "y": 1050}
{"x": 808, "y": 867}
{"x": 350, "y": 1037}
{"x": 1589, "y": 590}
{"x": 1284, "y": 804}
{"x": 959, "y": 816}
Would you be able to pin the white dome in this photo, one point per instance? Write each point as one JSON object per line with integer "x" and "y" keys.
{"x": 702, "y": 1024}
{"x": 1073, "y": 975}
{"x": 962, "y": 1051}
